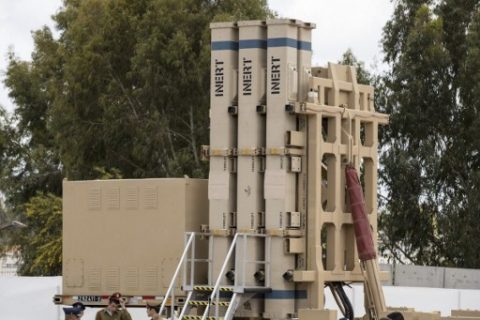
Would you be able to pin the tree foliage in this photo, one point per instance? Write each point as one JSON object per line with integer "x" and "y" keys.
{"x": 122, "y": 91}
{"x": 430, "y": 150}
{"x": 41, "y": 240}
{"x": 363, "y": 75}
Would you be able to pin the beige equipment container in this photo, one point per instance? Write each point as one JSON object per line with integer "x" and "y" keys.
{"x": 128, "y": 236}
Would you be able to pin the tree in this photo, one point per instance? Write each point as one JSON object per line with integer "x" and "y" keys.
{"x": 363, "y": 75}
{"x": 428, "y": 151}
{"x": 135, "y": 84}
{"x": 29, "y": 157}
{"x": 41, "y": 240}
{"x": 123, "y": 91}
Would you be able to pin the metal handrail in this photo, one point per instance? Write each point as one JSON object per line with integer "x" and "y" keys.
{"x": 189, "y": 296}
{"x": 175, "y": 275}
{"x": 219, "y": 279}
{"x": 216, "y": 289}
{"x": 231, "y": 307}
{"x": 244, "y": 261}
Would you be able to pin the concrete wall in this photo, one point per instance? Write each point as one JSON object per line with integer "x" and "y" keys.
{"x": 432, "y": 277}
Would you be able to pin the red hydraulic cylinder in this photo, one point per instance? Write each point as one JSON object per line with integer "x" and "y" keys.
{"x": 361, "y": 225}
{"x": 375, "y": 302}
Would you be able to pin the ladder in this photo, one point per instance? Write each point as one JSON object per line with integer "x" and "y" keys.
{"x": 220, "y": 301}
{"x": 224, "y": 305}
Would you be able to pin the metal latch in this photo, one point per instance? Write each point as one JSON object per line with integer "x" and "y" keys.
{"x": 294, "y": 220}
{"x": 295, "y": 164}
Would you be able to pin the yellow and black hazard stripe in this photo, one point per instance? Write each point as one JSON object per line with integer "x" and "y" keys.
{"x": 203, "y": 288}
{"x": 209, "y": 288}
{"x": 205, "y": 303}
{"x": 200, "y": 318}
{"x": 198, "y": 303}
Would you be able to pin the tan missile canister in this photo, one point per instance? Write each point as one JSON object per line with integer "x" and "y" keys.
{"x": 280, "y": 182}
{"x": 250, "y": 160}
{"x": 223, "y": 141}
{"x": 304, "y": 58}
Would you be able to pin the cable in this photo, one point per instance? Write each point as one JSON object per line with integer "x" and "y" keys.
{"x": 341, "y": 299}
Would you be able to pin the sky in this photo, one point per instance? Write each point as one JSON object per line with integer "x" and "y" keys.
{"x": 340, "y": 25}
{"x": 17, "y": 19}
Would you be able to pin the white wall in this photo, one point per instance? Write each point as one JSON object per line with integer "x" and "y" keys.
{"x": 26, "y": 298}
{"x": 8, "y": 264}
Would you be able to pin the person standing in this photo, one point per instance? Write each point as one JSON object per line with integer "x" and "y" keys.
{"x": 73, "y": 313}
{"x": 115, "y": 310}
{"x": 80, "y": 306}
{"x": 152, "y": 311}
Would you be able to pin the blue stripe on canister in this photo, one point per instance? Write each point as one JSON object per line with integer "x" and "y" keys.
{"x": 252, "y": 44}
{"x": 286, "y": 294}
{"x": 289, "y": 42}
{"x": 282, "y": 42}
{"x": 224, "y": 45}
{"x": 304, "y": 45}
{"x": 261, "y": 44}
